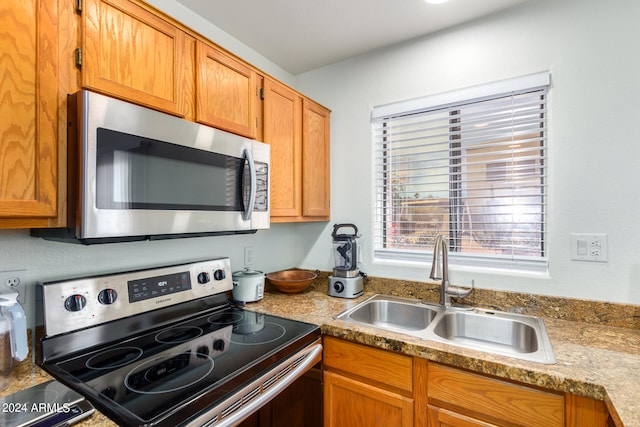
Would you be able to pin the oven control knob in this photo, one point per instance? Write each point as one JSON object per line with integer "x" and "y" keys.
{"x": 218, "y": 345}
{"x": 107, "y": 296}
{"x": 219, "y": 275}
{"x": 75, "y": 302}
{"x": 202, "y": 352}
{"x": 203, "y": 278}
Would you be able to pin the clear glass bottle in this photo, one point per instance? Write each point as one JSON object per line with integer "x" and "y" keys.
{"x": 13, "y": 336}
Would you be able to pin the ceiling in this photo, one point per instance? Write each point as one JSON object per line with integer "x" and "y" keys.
{"x": 301, "y": 35}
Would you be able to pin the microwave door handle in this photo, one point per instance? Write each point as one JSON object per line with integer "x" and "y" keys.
{"x": 246, "y": 215}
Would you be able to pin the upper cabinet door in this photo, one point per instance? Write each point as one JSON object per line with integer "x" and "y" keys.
{"x": 130, "y": 53}
{"x": 28, "y": 107}
{"x": 316, "y": 161}
{"x": 226, "y": 92}
{"x": 283, "y": 132}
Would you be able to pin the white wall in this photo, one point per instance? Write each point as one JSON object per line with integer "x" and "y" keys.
{"x": 274, "y": 249}
{"x": 590, "y": 48}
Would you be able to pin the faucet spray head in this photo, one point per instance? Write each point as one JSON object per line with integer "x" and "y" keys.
{"x": 436, "y": 264}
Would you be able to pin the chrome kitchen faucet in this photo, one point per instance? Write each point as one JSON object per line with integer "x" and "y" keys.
{"x": 440, "y": 271}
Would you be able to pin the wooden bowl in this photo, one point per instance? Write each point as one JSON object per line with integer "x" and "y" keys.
{"x": 291, "y": 281}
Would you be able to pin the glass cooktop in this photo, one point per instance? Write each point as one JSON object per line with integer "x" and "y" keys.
{"x": 197, "y": 362}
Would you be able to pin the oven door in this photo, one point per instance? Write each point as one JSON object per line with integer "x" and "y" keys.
{"x": 146, "y": 173}
{"x": 246, "y": 401}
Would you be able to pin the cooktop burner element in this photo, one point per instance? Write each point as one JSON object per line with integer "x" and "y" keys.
{"x": 114, "y": 358}
{"x": 225, "y": 318}
{"x": 178, "y": 365}
{"x": 178, "y": 334}
{"x": 248, "y": 334}
{"x": 168, "y": 373}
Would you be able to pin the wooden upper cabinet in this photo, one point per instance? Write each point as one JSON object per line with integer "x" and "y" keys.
{"x": 128, "y": 50}
{"x": 298, "y": 131}
{"x": 316, "y": 161}
{"x": 28, "y": 107}
{"x": 133, "y": 54}
{"x": 283, "y": 132}
{"x": 225, "y": 92}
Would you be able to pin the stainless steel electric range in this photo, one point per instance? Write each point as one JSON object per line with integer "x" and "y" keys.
{"x": 164, "y": 346}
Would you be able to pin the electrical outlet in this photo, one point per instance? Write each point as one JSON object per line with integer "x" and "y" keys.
{"x": 16, "y": 281}
{"x": 248, "y": 256}
{"x": 589, "y": 247}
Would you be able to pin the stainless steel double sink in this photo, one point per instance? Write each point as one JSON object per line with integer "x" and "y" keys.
{"x": 507, "y": 334}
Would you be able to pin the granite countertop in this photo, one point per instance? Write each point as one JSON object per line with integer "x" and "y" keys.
{"x": 596, "y": 358}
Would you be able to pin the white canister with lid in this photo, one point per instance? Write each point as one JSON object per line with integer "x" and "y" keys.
{"x": 248, "y": 285}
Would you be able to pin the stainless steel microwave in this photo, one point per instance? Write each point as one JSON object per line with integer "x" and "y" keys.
{"x": 136, "y": 173}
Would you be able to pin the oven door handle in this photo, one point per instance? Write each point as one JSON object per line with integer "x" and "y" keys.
{"x": 246, "y": 215}
{"x": 314, "y": 355}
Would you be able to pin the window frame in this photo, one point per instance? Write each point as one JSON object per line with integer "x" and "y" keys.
{"x": 494, "y": 90}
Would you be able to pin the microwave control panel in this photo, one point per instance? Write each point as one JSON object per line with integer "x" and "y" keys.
{"x": 79, "y": 303}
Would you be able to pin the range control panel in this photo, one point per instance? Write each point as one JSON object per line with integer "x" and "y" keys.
{"x": 79, "y": 303}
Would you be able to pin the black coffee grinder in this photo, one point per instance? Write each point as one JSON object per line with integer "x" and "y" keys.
{"x": 346, "y": 281}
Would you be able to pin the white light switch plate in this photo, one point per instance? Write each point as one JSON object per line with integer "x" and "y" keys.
{"x": 248, "y": 256}
{"x": 589, "y": 247}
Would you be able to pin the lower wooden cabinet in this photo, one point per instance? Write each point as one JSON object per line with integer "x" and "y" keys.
{"x": 365, "y": 386}
{"x": 349, "y": 402}
{"x": 439, "y": 417}
{"x": 494, "y": 402}
{"x": 458, "y": 398}
{"x": 587, "y": 412}
{"x": 362, "y": 386}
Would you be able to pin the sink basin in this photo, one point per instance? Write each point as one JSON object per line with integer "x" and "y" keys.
{"x": 391, "y": 313}
{"x": 508, "y": 334}
{"x": 489, "y": 331}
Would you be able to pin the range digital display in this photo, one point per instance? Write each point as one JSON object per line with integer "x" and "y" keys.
{"x": 159, "y": 286}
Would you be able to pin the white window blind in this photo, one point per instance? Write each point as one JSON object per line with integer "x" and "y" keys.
{"x": 473, "y": 169}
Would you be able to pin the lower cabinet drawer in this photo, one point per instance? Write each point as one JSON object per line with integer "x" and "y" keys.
{"x": 439, "y": 417}
{"x": 388, "y": 368}
{"x": 491, "y": 400}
